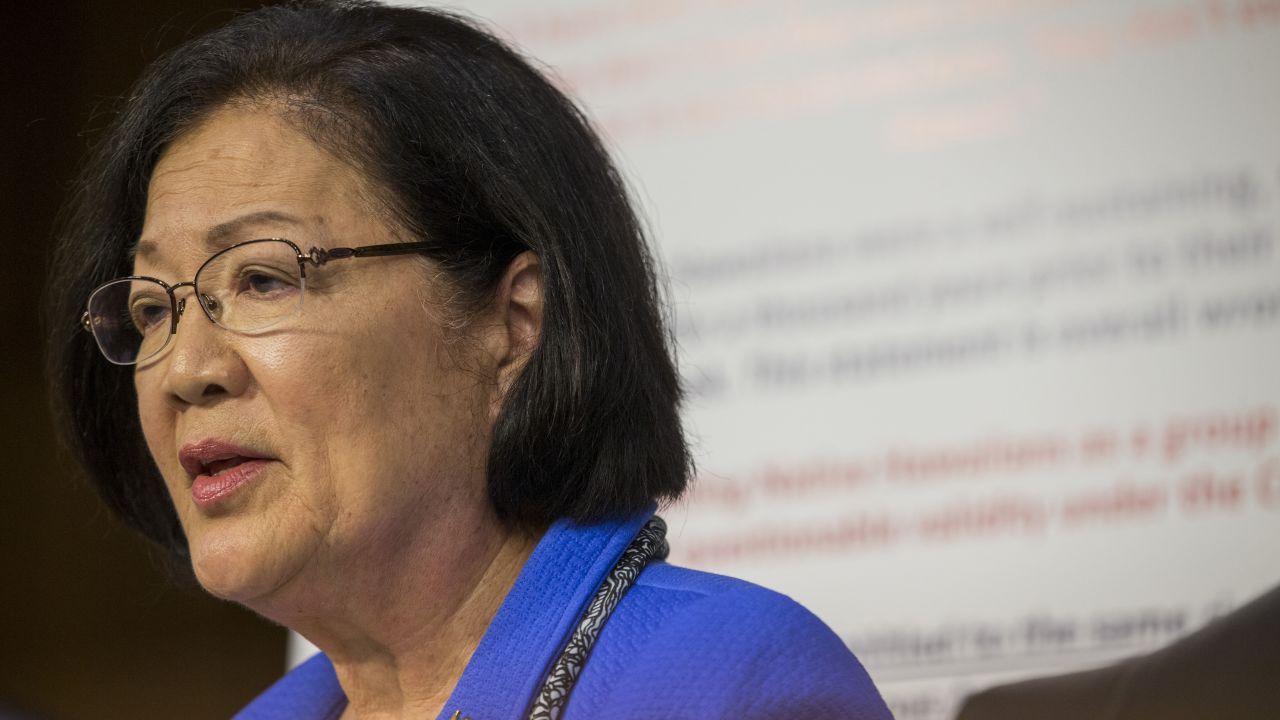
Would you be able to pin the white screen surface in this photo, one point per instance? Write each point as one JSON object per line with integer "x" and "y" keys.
{"x": 978, "y": 304}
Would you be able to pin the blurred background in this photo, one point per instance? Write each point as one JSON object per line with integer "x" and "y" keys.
{"x": 978, "y": 303}
{"x": 90, "y": 626}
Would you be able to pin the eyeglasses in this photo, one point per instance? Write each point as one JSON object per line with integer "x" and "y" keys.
{"x": 250, "y": 286}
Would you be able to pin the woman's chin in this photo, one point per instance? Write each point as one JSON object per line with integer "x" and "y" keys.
{"x": 236, "y": 572}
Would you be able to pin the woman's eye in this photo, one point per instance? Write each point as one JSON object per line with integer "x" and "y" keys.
{"x": 260, "y": 283}
{"x": 149, "y": 315}
{"x": 263, "y": 284}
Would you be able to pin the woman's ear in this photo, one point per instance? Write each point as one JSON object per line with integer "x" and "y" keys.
{"x": 518, "y": 321}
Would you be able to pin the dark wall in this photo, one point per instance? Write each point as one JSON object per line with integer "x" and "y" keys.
{"x": 89, "y": 625}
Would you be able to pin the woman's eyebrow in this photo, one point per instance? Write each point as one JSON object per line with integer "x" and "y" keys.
{"x": 221, "y": 235}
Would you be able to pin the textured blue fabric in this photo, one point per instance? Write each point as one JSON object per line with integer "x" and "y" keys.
{"x": 681, "y": 644}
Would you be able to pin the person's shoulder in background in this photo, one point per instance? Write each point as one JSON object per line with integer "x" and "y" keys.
{"x": 1227, "y": 669}
{"x": 689, "y": 644}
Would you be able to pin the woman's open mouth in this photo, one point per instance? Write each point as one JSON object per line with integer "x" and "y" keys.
{"x": 223, "y": 478}
{"x": 218, "y": 469}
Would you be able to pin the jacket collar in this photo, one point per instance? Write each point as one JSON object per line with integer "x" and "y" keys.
{"x": 537, "y": 617}
{"x": 523, "y": 640}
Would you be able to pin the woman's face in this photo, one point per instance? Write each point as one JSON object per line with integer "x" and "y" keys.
{"x": 345, "y": 437}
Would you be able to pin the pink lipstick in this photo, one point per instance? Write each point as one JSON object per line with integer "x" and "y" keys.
{"x": 208, "y": 490}
{"x": 218, "y": 469}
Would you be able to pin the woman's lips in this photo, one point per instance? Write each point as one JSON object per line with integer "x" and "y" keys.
{"x": 209, "y": 490}
{"x": 219, "y": 468}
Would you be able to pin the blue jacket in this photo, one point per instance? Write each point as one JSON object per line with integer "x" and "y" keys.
{"x": 681, "y": 644}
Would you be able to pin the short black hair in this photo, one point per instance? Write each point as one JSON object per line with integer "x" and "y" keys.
{"x": 476, "y": 153}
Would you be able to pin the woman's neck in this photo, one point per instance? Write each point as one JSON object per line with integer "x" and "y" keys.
{"x": 403, "y": 632}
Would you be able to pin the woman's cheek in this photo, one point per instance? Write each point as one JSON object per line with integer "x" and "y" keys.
{"x": 157, "y": 425}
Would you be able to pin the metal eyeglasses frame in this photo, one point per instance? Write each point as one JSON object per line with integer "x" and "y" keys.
{"x": 316, "y": 256}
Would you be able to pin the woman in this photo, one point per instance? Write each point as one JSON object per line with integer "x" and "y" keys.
{"x": 369, "y": 339}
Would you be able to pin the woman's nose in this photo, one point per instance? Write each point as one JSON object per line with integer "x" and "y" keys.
{"x": 203, "y": 364}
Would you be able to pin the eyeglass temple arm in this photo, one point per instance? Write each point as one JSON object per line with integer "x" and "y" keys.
{"x": 319, "y": 256}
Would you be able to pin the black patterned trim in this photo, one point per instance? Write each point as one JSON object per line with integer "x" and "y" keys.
{"x": 649, "y": 544}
